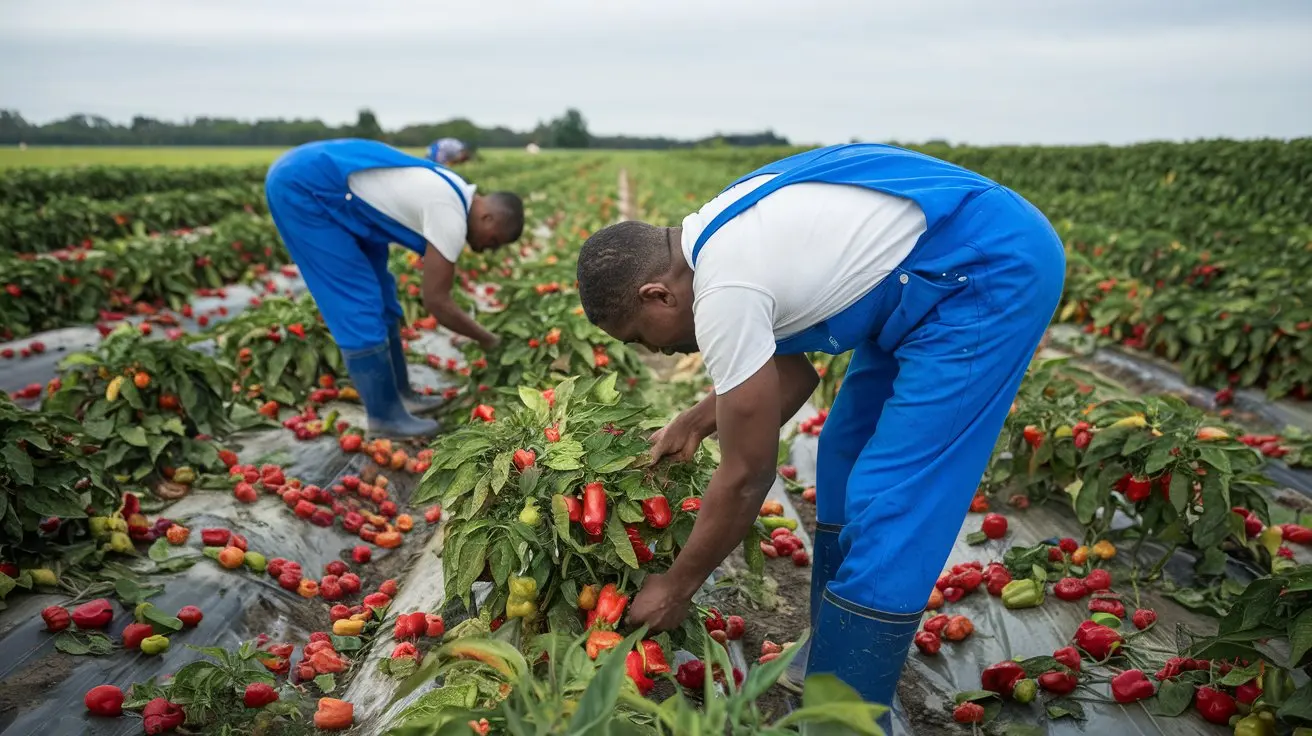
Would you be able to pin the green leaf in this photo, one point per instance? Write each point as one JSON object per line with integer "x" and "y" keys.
{"x": 1217, "y": 458}
{"x": 19, "y": 464}
{"x": 133, "y": 435}
{"x": 159, "y": 551}
{"x": 326, "y": 683}
{"x": 1064, "y": 707}
{"x": 614, "y": 466}
{"x": 131, "y": 593}
{"x": 1298, "y": 706}
{"x": 564, "y": 455}
{"x": 605, "y": 392}
{"x": 501, "y": 471}
{"x": 278, "y": 363}
{"x": 976, "y": 538}
{"x": 1106, "y": 619}
{"x": 79, "y": 643}
{"x": 158, "y": 618}
{"x": 346, "y": 643}
{"x": 1173, "y": 698}
{"x": 1300, "y": 638}
{"x": 1240, "y": 675}
{"x": 1137, "y": 442}
{"x": 619, "y": 541}
{"x": 1181, "y": 490}
{"x": 7, "y": 585}
{"x": 535, "y": 402}
{"x": 973, "y": 696}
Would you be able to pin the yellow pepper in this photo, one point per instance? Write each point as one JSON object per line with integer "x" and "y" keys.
{"x": 347, "y": 627}
{"x": 1104, "y": 550}
{"x": 521, "y": 609}
{"x": 115, "y": 386}
{"x": 1080, "y": 555}
{"x": 588, "y": 598}
{"x": 1135, "y": 420}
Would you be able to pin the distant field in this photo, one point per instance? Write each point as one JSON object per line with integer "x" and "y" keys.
{"x": 12, "y": 157}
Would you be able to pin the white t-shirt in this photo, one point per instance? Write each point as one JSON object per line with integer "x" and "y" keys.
{"x": 799, "y": 256}
{"x": 421, "y": 200}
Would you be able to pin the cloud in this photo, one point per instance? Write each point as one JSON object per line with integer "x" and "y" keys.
{"x": 826, "y": 71}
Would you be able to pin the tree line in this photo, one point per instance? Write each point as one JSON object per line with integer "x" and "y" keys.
{"x": 570, "y": 130}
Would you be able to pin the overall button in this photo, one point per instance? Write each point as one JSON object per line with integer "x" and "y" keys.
{"x": 903, "y": 278}
{"x": 961, "y": 278}
{"x": 348, "y": 196}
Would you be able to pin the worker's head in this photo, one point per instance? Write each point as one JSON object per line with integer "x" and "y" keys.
{"x": 494, "y": 220}
{"x": 635, "y": 285}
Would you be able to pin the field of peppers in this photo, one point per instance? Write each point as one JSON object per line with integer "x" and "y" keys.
{"x": 204, "y": 443}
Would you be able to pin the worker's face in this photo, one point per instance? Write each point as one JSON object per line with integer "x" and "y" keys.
{"x": 486, "y": 234}
{"x": 663, "y": 323}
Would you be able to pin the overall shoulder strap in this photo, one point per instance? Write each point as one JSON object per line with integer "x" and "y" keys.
{"x": 459, "y": 193}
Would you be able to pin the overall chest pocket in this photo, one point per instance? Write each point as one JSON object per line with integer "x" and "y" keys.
{"x": 920, "y": 296}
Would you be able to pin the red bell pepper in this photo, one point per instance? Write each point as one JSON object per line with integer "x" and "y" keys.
{"x": 1070, "y": 589}
{"x": 410, "y": 625}
{"x": 599, "y": 641}
{"x": 575, "y": 507}
{"x": 634, "y": 666}
{"x": 524, "y": 459}
{"x": 1069, "y": 656}
{"x": 93, "y": 614}
{"x": 104, "y": 700}
{"x": 215, "y": 537}
{"x": 1143, "y": 618}
{"x": 1098, "y": 580}
{"x": 56, "y": 618}
{"x": 691, "y": 504}
{"x": 1131, "y": 686}
{"x": 1214, "y": 706}
{"x": 259, "y": 694}
{"x": 1107, "y": 605}
{"x": 967, "y": 580}
{"x": 1002, "y": 677}
{"x": 134, "y": 634}
{"x": 656, "y": 511}
{"x": 1059, "y": 683}
{"x": 640, "y": 548}
{"x": 160, "y": 715}
{"x": 691, "y": 675}
{"x": 1098, "y": 640}
{"x": 653, "y": 658}
{"x": 1296, "y": 533}
{"x": 610, "y": 605}
{"x": 1248, "y": 692}
{"x": 968, "y": 712}
{"x": 715, "y": 621}
{"x": 928, "y": 643}
{"x": 594, "y": 508}
{"x": 935, "y": 624}
{"x": 484, "y": 413}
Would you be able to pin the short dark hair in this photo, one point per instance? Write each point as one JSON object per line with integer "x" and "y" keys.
{"x": 614, "y": 262}
{"x": 508, "y": 208}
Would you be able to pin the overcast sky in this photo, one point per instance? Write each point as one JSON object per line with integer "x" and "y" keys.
{"x": 816, "y": 71}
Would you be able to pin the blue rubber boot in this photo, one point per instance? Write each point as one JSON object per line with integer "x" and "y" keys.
{"x": 415, "y": 403}
{"x": 373, "y": 376}
{"x": 826, "y": 557}
{"x": 863, "y": 647}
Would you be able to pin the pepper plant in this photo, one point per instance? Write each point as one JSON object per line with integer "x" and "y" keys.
{"x": 50, "y": 473}
{"x": 510, "y": 484}
{"x": 282, "y": 350}
{"x": 148, "y": 402}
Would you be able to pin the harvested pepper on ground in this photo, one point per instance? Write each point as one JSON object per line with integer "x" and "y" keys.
{"x": 259, "y": 694}
{"x": 1002, "y": 677}
{"x": 1107, "y": 605}
{"x": 160, "y": 716}
{"x": 1131, "y": 686}
{"x": 1025, "y": 593}
{"x": 215, "y": 537}
{"x": 1024, "y": 691}
{"x": 691, "y": 675}
{"x": 958, "y": 628}
{"x": 1098, "y": 580}
{"x": 56, "y": 618}
{"x": 1143, "y": 618}
{"x": 1068, "y": 656}
{"x": 1098, "y": 640}
{"x": 928, "y": 643}
{"x": 1214, "y": 706}
{"x": 935, "y": 624}
{"x": 1070, "y": 589}
{"x": 994, "y": 526}
{"x": 135, "y": 633}
{"x": 94, "y": 614}
{"x": 1059, "y": 683}
{"x": 104, "y": 700}
{"x": 968, "y": 712}
{"x": 157, "y": 644}
{"x": 334, "y": 715}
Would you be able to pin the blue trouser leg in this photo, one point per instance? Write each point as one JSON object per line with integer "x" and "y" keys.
{"x": 959, "y": 367}
{"x": 346, "y": 287}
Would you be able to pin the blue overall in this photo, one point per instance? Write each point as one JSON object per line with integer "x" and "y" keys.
{"x": 338, "y": 240}
{"x": 941, "y": 345}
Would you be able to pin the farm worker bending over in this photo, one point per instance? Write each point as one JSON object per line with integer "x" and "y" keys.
{"x": 448, "y": 152}
{"x": 338, "y": 204}
{"x": 940, "y": 280}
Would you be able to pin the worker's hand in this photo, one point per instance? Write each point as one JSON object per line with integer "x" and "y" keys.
{"x": 677, "y": 440}
{"x": 662, "y": 603}
{"x": 490, "y": 344}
